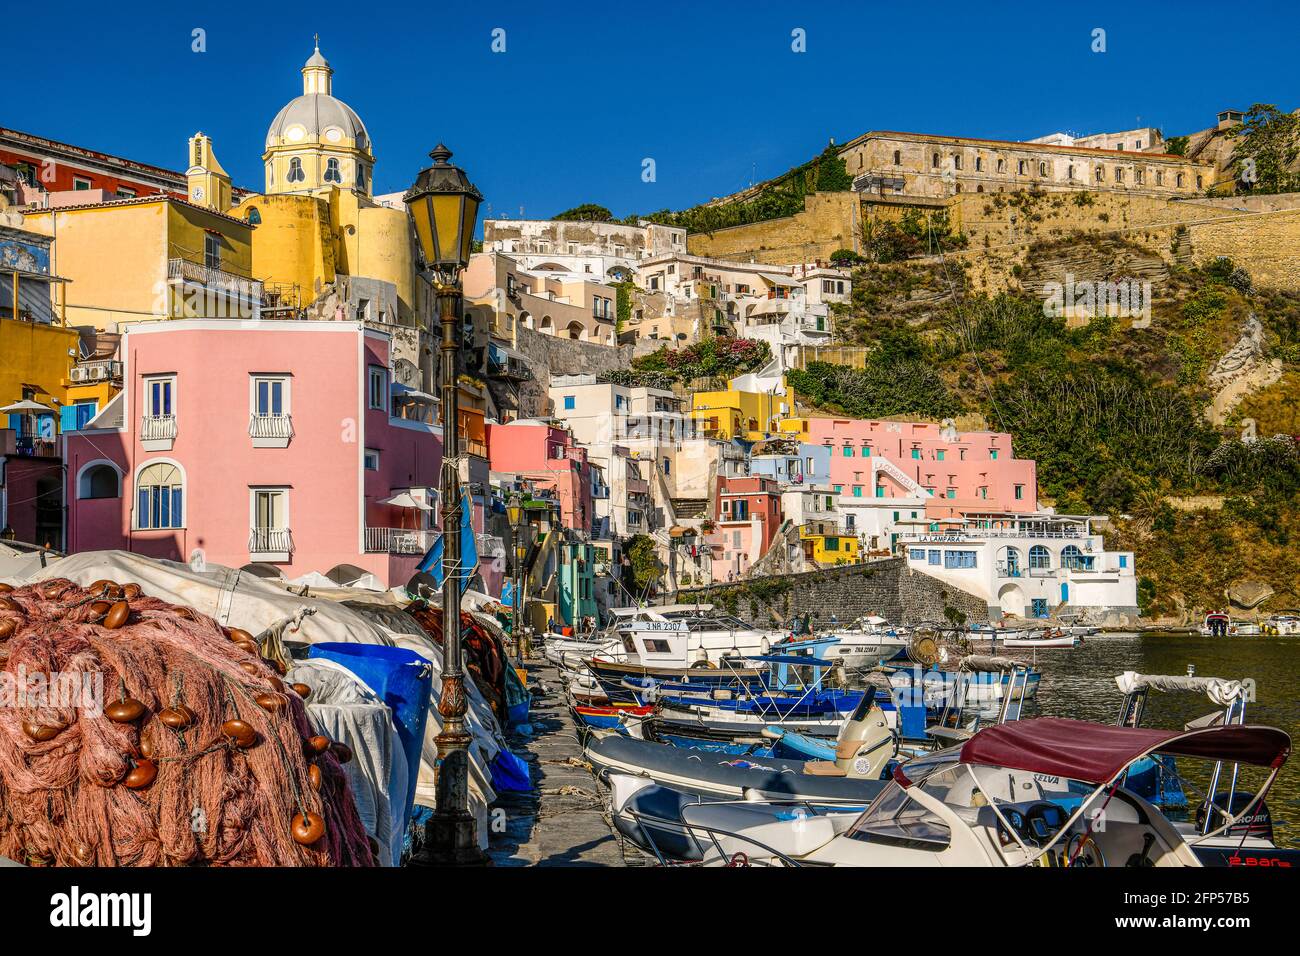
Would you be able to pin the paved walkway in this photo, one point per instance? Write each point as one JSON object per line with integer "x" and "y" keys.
{"x": 562, "y": 822}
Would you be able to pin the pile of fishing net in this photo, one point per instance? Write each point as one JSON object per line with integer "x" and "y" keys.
{"x": 484, "y": 652}
{"x": 200, "y": 754}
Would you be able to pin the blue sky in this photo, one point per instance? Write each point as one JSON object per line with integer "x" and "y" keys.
{"x": 712, "y": 91}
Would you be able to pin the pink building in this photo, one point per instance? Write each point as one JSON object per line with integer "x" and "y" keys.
{"x": 264, "y": 441}
{"x": 548, "y": 457}
{"x": 746, "y": 515}
{"x": 964, "y": 471}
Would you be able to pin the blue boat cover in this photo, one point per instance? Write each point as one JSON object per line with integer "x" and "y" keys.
{"x": 403, "y": 680}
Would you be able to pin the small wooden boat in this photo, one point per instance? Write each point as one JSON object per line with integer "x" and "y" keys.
{"x": 606, "y": 717}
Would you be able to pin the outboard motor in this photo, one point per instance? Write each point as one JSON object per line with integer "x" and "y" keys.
{"x": 1259, "y": 824}
{"x": 865, "y": 743}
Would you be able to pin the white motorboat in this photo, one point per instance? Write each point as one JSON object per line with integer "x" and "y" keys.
{"x": 1282, "y": 625}
{"x": 868, "y": 641}
{"x": 710, "y": 636}
{"x": 1043, "y": 792}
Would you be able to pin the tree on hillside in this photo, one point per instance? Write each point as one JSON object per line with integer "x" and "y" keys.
{"x": 1268, "y": 145}
{"x": 587, "y": 212}
{"x": 832, "y": 174}
{"x": 644, "y": 567}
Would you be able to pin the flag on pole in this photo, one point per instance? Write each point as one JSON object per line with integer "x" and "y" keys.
{"x": 432, "y": 562}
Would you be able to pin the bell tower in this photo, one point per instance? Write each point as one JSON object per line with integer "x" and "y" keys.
{"x": 208, "y": 184}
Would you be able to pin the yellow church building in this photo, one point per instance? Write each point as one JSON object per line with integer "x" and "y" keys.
{"x": 323, "y": 245}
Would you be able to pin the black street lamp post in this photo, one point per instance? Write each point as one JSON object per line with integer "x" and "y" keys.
{"x": 443, "y": 206}
{"x": 515, "y": 514}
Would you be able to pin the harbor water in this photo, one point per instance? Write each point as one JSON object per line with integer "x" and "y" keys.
{"x": 1080, "y": 683}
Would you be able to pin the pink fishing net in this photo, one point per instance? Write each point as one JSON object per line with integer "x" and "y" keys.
{"x": 70, "y": 776}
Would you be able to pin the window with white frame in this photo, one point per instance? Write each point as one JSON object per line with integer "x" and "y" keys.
{"x": 160, "y": 497}
{"x": 379, "y": 388}
{"x": 269, "y": 522}
{"x": 372, "y": 459}
{"x": 159, "y": 395}
{"x": 270, "y": 395}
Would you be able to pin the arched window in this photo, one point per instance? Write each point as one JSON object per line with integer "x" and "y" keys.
{"x": 547, "y": 325}
{"x": 253, "y": 217}
{"x": 1179, "y": 181}
{"x": 160, "y": 497}
{"x": 295, "y": 175}
{"x": 934, "y": 160}
{"x": 100, "y": 480}
{"x": 1101, "y": 174}
{"x": 1042, "y": 169}
{"x": 898, "y": 157}
{"x": 332, "y": 173}
{"x": 1039, "y": 558}
{"x": 1072, "y": 557}
{"x": 1009, "y": 562}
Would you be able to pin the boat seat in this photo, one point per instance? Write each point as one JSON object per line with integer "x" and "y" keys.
{"x": 823, "y": 768}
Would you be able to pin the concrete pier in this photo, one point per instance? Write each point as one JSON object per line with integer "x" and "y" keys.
{"x": 563, "y": 821}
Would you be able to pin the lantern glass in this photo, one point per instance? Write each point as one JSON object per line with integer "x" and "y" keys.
{"x": 515, "y": 512}
{"x": 443, "y": 205}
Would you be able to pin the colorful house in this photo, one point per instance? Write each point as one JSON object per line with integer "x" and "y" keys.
{"x": 577, "y": 581}
{"x": 547, "y": 456}
{"x": 746, "y": 516}
{"x": 735, "y": 413}
{"x": 272, "y": 442}
{"x": 169, "y": 259}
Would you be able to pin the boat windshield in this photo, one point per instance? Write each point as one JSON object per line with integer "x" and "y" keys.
{"x": 721, "y": 622}
{"x": 895, "y": 819}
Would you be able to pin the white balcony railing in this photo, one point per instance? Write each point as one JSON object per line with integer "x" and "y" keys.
{"x": 158, "y": 428}
{"x": 398, "y": 541}
{"x": 211, "y": 277}
{"x": 274, "y": 543}
{"x": 270, "y": 431}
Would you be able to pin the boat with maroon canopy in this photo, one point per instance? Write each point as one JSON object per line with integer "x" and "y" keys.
{"x": 1042, "y": 792}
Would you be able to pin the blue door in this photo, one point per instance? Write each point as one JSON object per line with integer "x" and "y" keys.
{"x": 1065, "y": 593}
{"x": 1038, "y": 607}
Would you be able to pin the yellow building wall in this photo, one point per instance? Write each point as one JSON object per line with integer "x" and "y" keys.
{"x": 115, "y": 260}
{"x": 186, "y": 228}
{"x": 115, "y": 257}
{"x": 845, "y": 553}
{"x": 384, "y": 251}
{"x": 35, "y": 355}
{"x": 736, "y": 410}
{"x": 293, "y": 245}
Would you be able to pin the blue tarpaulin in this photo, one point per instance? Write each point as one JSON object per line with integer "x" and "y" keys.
{"x": 432, "y": 562}
{"x": 510, "y": 773}
{"x": 403, "y": 680}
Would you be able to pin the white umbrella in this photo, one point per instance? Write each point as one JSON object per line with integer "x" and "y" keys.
{"x": 26, "y": 405}
{"x": 405, "y": 500}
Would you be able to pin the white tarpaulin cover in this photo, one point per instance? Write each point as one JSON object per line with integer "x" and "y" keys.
{"x": 239, "y": 599}
{"x": 343, "y": 708}
{"x": 1219, "y": 691}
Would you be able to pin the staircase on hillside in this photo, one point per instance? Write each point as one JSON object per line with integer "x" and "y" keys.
{"x": 1181, "y": 247}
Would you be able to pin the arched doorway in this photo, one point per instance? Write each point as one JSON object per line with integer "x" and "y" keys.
{"x": 547, "y": 325}
{"x": 1011, "y": 599}
{"x": 577, "y": 331}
